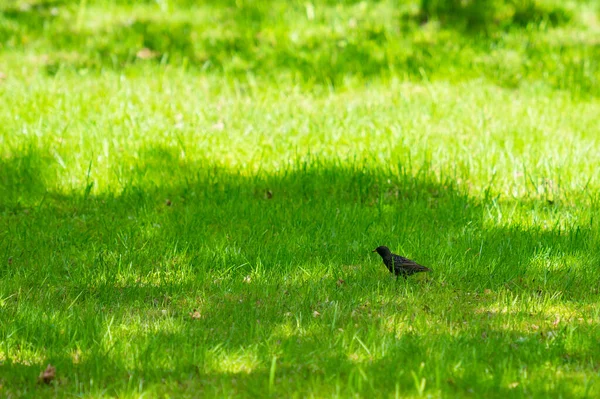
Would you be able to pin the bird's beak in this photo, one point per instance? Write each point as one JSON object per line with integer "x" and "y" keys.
{"x": 374, "y": 250}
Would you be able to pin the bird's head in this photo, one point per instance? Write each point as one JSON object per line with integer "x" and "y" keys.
{"x": 383, "y": 251}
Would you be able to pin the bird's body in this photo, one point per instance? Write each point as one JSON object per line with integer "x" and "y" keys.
{"x": 399, "y": 265}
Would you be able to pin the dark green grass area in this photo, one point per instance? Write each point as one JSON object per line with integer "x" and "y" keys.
{"x": 290, "y": 299}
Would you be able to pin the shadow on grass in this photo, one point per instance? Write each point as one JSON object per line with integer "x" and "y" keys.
{"x": 257, "y": 255}
{"x": 483, "y": 16}
{"x": 213, "y": 365}
{"x": 312, "y": 212}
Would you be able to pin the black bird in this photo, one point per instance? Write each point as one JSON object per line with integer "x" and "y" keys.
{"x": 399, "y": 265}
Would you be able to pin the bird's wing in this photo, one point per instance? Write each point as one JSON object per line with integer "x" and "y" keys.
{"x": 407, "y": 263}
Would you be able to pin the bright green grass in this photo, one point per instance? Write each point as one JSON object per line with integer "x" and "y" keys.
{"x": 133, "y": 195}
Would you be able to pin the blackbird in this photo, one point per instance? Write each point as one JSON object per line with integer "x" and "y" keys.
{"x": 399, "y": 265}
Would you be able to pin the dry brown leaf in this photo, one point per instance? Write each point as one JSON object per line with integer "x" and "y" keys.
{"x": 168, "y": 202}
{"x": 340, "y": 282}
{"x": 47, "y": 375}
{"x": 556, "y": 321}
{"x": 195, "y": 315}
{"x": 146, "y": 54}
{"x": 316, "y": 314}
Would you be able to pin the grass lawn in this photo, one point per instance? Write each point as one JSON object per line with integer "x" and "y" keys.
{"x": 190, "y": 193}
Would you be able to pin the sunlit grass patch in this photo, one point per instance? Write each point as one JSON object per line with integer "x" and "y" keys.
{"x": 240, "y": 361}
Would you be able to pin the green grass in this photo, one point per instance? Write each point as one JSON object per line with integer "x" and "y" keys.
{"x": 200, "y": 222}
